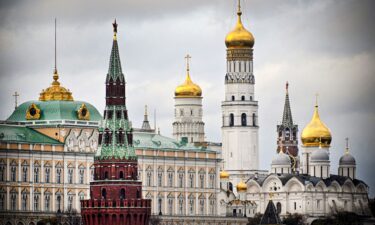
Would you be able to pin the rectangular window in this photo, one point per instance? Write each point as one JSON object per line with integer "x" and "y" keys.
{"x": 24, "y": 174}
{"x": 2, "y": 202}
{"x": 36, "y": 175}
{"x": 13, "y": 202}
{"x": 47, "y": 203}
{"x": 58, "y": 176}
{"x": 181, "y": 180}
{"x": 160, "y": 176}
{"x": 36, "y": 202}
{"x": 170, "y": 179}
{"x": 2, "y": 173}
{"x": 201, "y": 178}
{"x": 47, "y": 176}
{"x": 70, "y": 176}
{"x": 13, "y": 174}
{"x": 81, "y": 175}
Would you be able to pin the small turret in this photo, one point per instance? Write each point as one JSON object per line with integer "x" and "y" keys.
{"x": 347, "y": 163}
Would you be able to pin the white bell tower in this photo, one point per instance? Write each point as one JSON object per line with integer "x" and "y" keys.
{"x": 240, "y": 109}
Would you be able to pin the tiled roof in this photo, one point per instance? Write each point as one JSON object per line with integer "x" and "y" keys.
{"x": 21, "y": 134}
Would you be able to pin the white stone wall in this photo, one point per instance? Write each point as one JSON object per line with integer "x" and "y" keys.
{"x": 160, "y": 165}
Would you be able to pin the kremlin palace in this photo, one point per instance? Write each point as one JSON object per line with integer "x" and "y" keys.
{"x": 61, "y": 157}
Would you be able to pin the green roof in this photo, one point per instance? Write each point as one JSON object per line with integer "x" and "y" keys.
{"x": 54, "y": 110}
{"x": 150, "y": 140}
{"x": 21, "y": 134}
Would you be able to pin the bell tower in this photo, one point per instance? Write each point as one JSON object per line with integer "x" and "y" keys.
{"x": 240, "y": 109}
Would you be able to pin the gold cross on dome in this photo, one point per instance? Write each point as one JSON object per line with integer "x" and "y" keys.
{"x": 316, "y": 99}
{"x": 187, "y": 57}
{"x": 16, "y": 95}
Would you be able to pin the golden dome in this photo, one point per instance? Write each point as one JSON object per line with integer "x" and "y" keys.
{"x": 188, "y": 88}
{"x": 56, "y": 92}
{"x": 224, "y": 175}
{"x": 316, "y": 133}
{"x": 239, "y": 37}
{"x": 241, "y": 186}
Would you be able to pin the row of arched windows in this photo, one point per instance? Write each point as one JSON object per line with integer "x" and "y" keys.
{"x": 122, "y": 193}
{"x": 243, "y": 98}
{"x": 243, "y": 119}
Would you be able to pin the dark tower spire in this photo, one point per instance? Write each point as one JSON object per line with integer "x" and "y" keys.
{"x": 115, "y": 82}
{"x": 287, "y": 133}
{"x": 287, "y": 115}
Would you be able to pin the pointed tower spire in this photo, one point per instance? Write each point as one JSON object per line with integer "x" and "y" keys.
{"x": 146, "y": 124}
{"x": 115, "y": 132}
{"x": 115, "y": 90}
{"x": 115, "y": 71}
{"x": 287, "y": 115}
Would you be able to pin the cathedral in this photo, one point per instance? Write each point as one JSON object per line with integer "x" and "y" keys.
{"x": 60, "y": 157}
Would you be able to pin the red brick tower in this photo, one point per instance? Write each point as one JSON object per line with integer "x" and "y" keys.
{"x": 116, "y": 192}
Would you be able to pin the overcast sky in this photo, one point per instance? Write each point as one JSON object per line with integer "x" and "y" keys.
{"x": 324, "y": 47}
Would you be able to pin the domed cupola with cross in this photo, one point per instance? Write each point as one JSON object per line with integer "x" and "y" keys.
{"x": 347, "y": 163}
{"x": 240, "y": 127}
{"x": 188, "y": 125}
{"x": 316, "y": 136}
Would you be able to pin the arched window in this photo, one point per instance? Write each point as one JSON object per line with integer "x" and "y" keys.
{"x": 138, "y": 193}
{"x": 254, "y": 122}
{"x": 230, "y": 186}
{"x": 231, "y": 120}
{"x": 242, "y": 98}
{"x": 122, "y": 193}
{"x": 287, "y": 134}
{"x": 121, "y": 175}
{"x": 243, "y": 119}
{"x": 233, "y": 98}
{"x": 106, "y": 175}
{"x": 278, "y": 207}
{"x": 120, "y": 138}
{"x": 104, "y": 193}
{"x": 251, "y": 98}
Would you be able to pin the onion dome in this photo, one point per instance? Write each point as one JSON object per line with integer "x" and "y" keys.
{"x": 224, "y": 175}
{"x": 56, "y": 92}
{"x": 239, "y": 37}
{"x": 316, "y": 133}
{"x": 188, "y": 88}
{"x": 347, "y": 158}
{"x": 281, "y": 159}
{"x": 241, "y": 187}
{"x": 319, "y": 155}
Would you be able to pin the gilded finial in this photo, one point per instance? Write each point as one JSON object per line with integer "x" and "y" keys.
{"x": 114, "y": 24}
{"x": 347, "y": 146}
{"x": 187, "y": 57}
{"x": 316, "y": 99}
{"x": 239, "y": 13}
{"x": 55, "y": 74}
